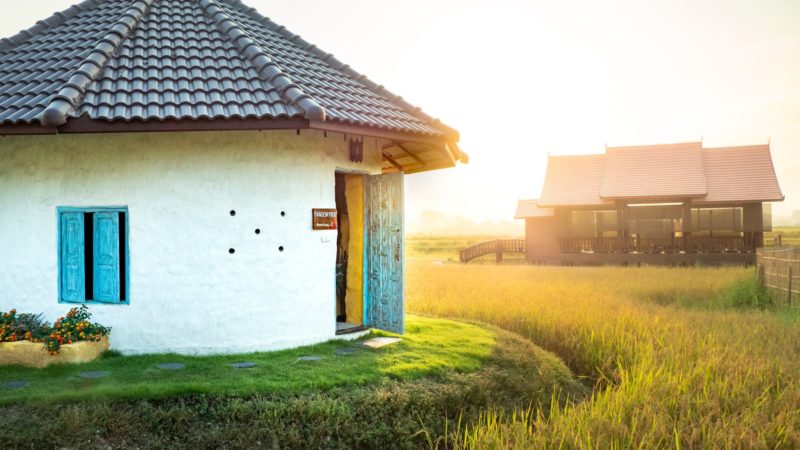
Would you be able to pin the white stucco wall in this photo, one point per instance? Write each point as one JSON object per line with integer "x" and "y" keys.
{"x": 187, "y": 293}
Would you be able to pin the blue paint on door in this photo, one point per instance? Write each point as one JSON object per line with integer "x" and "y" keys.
{"x": 106, "y": 257}
{"x": 384, "y": 225}
{"x": 73, "y": 277}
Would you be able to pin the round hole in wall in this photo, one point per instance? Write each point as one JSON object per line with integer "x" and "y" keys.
{"x": 280, "y": 249}
{"x": 283, "y": 213}
{"x": 232, "y": 251}
{"x": 233, "y": 212}
{"x": 258, "y": 230}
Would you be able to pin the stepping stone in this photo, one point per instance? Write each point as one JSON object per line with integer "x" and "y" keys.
{"x": 171, "y": 366}
{"x": 379, "y": 342}
{"x": 346, "y": 351}
{"x": 94, "y": 375}
{"x": 242, "y": 365}
{"x": 15, "y": 385}
{"x": 309, "y": 358}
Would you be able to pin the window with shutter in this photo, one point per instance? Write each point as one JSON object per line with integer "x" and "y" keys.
{"x": 93, "y": 255}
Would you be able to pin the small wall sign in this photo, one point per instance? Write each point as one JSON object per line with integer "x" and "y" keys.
{"x": 323, "y": 219}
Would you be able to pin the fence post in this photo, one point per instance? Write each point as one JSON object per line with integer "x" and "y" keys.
{"x": 499, "y": 251}
{"x": 789, "y": 286}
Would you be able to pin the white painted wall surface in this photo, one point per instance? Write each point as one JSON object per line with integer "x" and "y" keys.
{"x": 187, "y": 293}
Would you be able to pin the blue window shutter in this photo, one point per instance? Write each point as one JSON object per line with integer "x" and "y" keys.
{"x": 106, "y": 257}
{"x": 73, "y": 277}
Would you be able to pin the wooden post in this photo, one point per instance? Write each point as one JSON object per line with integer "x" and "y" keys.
{"x": 686, "y": 226}
{"x": 499, "y": 251}
{"x": 789, "y": 286}
{"x": 622, "y": 227}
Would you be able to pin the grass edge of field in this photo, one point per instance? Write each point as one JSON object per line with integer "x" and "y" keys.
{"x": 403, "y": 413}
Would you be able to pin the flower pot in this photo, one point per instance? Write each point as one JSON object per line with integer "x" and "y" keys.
{"x": 33, "y": 354}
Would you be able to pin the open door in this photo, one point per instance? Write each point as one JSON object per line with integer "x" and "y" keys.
{"x": 384, "y": 307}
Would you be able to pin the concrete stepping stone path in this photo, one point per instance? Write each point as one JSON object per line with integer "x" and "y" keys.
{"x": 94, "y": 375}
{"x": 309, "y": 358}
{"x": 379, "y": 342}
{"x": 15, "y": 384}
{"x": 346, "y": 351}
{"x": 242, "y": 365}
{"x": 171, "y": 366}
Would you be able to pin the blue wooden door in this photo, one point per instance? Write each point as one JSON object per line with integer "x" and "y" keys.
{"x": 106, "y": 257}
{"x": 384, "y": 234}
{"x": 73, "y": 278}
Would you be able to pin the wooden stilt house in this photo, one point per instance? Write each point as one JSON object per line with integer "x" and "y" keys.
{"x": 655, "y": 204}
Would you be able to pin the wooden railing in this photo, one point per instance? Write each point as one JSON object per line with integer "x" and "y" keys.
{"x": 689, "y": 244}
{"x": 779, "y": 272}
{"x": 497, "y": 247}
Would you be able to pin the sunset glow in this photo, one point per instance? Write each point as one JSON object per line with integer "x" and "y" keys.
{"x": 524, "y": 79}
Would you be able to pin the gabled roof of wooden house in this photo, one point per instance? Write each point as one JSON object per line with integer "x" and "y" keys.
{"x": 654, "y": 171}
{"x": 171, "y": 65}
{"x": 529, "y": 209}
{"x": 740, "y": 174}
{"x": 573, "y": 180}
{"x": 662, "y": 173}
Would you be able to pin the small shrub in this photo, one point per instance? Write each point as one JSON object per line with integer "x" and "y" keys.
{"x": 745, "y": 293}
{"x": 19, "y": 327}
{"x": 75, "y": 327}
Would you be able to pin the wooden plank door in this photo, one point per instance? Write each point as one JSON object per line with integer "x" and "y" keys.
{"x": 385, "y": 307}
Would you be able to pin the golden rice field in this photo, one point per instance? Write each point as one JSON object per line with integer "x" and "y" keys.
{"x": 678, "y": 358}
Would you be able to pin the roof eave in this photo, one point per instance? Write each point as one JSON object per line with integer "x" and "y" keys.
{"x": 576, "y": 205}
{"x": 654, "y": 198}
{"x": 738, "y": 202}
{"x": 85, "y": 125}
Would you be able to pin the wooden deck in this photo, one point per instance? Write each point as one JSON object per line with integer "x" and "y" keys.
{"x": 650, "y": 259}
{"x": 658, "y": 246}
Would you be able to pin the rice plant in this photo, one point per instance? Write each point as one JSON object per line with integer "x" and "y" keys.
{"x": 679, "y": 358}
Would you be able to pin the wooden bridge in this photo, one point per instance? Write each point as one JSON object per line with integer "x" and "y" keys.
{"x": 498, "y": 247}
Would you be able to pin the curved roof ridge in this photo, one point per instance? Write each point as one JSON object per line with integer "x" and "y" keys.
{"x": 698, "y": 144}
{"x": 56, "y": 19}
{"x": 737, "y": 147}
{"x": 68, "y": 96}
{"x": 335, "y": 63}
{"x": 265, "y": 66}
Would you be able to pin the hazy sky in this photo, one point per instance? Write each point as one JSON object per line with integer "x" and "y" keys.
{"x": 520, "y": 79}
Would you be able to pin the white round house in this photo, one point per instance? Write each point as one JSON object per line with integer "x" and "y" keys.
{"x": 203, "y": 179}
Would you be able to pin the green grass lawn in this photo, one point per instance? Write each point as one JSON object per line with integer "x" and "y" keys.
{"x": 429, "y": 347}
{"x": 405, "y": 396}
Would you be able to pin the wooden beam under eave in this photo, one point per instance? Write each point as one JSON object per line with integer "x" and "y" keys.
{"x": 425, "y": 168}
{"x": 453, "y": 154}
{"x": 410, "y": 153}
{"x": 392, "y": 161}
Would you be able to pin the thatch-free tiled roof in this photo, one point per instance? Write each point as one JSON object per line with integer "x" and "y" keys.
{"x": 654, "y": 171}
{"x": 529, "y": 209}
{"x": 573, "y": 180}
{"x": 157, "y": 60}
{"x": 740, "y": 174}
{"x": 665, "y": 173}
